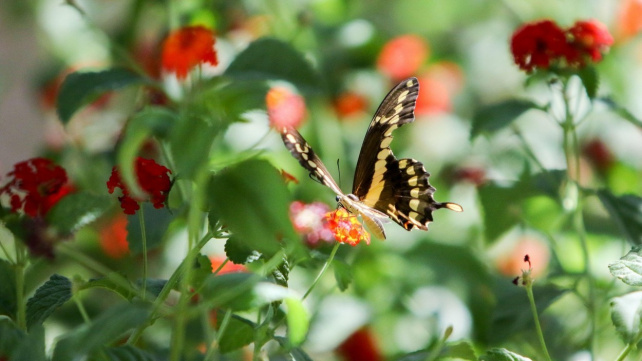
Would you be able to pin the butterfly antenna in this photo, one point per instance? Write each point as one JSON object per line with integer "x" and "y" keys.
{"x": 339, "y": 172}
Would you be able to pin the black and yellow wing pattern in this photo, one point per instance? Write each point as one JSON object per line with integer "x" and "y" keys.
{"x": 383, "y": 186}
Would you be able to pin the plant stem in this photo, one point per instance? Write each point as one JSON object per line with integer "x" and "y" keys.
{"x": 141, "y": 220}
{"x": 325, "y": 267}
{"x": 81, "y": 309}
{"x": 531, "y": 300}
{"x": 21, "y": 305}
{"x": 221, "y": 330}
{"x": 625, "y": 352}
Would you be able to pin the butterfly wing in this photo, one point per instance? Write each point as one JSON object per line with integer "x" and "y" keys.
{"x": 399, "y": 188}
{"x": 302, "y": 151}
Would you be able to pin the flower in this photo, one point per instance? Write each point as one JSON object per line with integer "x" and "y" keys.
{"x": 152, "y": 177}
{"x": 629, "y": 21}
{"x": 229, "y": 267}
{"x": 402, "y": 56}
{"x": 510, "y": 262}
{"x": 346, "y": 227}
{"x": 309, "y": 220}
{"x": 360, "y": 346}
{"x": 538, "y": 45}
{"x": 349, "y": 104}
{"x": 589, "y": 39}
{"x": 36, "y": 185}
{"x": 284, "y": 108}
{"x": 186, "y": 48}
{"x": 599, "y": 155}
{"x": 113, "y": 237}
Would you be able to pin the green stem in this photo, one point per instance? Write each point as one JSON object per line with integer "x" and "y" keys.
{"x": 81, "y": 309}
{"x": 531, "y": 300}
{"x": 21, "y": 305}
{"x": 325, "y": 267}
{"x": 210, "y": 355}
{"x": 625, "y": 352}
{"x": 571, "y": 152}
{"x": 141, "y": 220}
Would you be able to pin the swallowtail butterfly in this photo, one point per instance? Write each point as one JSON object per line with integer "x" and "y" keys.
{"x": 384, "y": 186}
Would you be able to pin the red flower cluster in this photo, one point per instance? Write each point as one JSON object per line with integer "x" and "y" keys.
{"x": 402, "y": 56}
{"x": 544, "y": 44}
{"x": 346, "y": 228}
{"x": 35, "y": 186}
{"x": 153, "y": 178}
{"x": 360, "y": 346}
{"x": 186, "y": 48}
{"x": 309, "y": 220}
{"x": 284, "y": 108}
{"x": 113, "y": 237}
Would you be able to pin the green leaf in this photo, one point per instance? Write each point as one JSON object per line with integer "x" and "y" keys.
{"x": 156, "y": 223}
{"x": 629, "y": 268}
{"x": 32, "y": 347}
{"x": 238, "y": 333}
{"x": 342, "y": 274}
{"x": 621, "y": 111}
{"x": 77, "y": 210}
{"x": 298, "y": 321}
{"x": 238, "y": 251}
{"x": 231, "y": 290}
{"x": 126, "y": 353}
{"x": 252, "y": 200}
{"x": 626, "y": 211}
{"x": 7, "y": 289}
{"x": 151, "y": 121}
{"x": 48, "y": 297}
{"x": 106, "y": 328}
{"x": 79, "y": 88}
{"x": 108, "y": 283}
{"x": 626, "y": 312}
{"x": 10, "y": 336}
{"x": 501, "y": 354}
{"x": 191, "y": 139}
{"x": 232, "y": 100}
{"x": 494, "y": 117}
{"x": 459, "y": 350}
{"x": 590, "y": 79}
{"x": 202, "y": 270}
{"x": 296, "y": 353}
{"x": 268, "y": 58}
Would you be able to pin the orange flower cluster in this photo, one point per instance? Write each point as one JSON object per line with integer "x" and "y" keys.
{"x": 284, "y": 108}
{"x": 346, "y": 227}
{"x": 186, "y": 48}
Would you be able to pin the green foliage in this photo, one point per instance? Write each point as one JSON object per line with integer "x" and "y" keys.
{"x": 626, "y": 211}
{"x": 79, "y": 88}
{"x": 77, "y": 210}
{"x": 495, "y": 117}
{"x": 7, "y": 289}
{"x": 626, "y": 313}
{"x": 156, "y": 224}
{"x": 50, "y": 296}
{"x": 501, "y": 354}
{"x": 628, "y": 268}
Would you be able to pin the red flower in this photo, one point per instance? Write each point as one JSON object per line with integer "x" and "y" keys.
{"x": 35, "y": 186}
{"x": 360, "y": 346}
{"x": 284, "y": 108}
{"x": 346, "y": 227}
{"x": 113, "y": 237}
{"x": 309, "y": 220}
{"x": 153, "y": 178}
{"x": 349, "y": 104}
{"x": 230, "y": 267}
{"x": 598, "y": 154}
{"x": 589, "y": 39}
{"x": 538, "y": 45}
{"x": 402, "y": 56}
{"x": 186, "y": 48}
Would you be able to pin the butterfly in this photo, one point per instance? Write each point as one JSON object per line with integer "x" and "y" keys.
{"x": 384, "y": 186}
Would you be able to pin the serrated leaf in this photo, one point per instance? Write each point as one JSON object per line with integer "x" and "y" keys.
{"x": 77, "y": 210}
{"x": 501, "y": 354}
{"x": 590, "y": 79}
{"x": 629, "y": 268}
{"x": 461, "y": 350}
{"x": 191, "y": 139}
{"x": 251, "y": 198}
{"x": 156, "y": 223}
{"x": 626, "y": 211}
{"x": 239, "y": 252}
{"x": 48, "y": 297}
{"x": 126, "y": 353}
{"x": 7, "y": 289}
{"x": 238, "y": 333}
{"x": 342, "y": 274}
{"x": 298, "y": 321}
{"x": 494, "y": 117}
{"x": 268, "y": 58}
{"x": 79, "y": 88}
{"x": 106, "y": 328}
{"x": 626, "y": 312}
